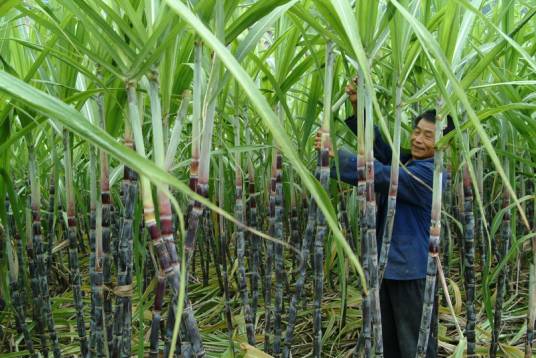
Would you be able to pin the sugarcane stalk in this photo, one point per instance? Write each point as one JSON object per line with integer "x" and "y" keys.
{"x": 240, "y": 239}
{"x": 157, "y": 309}
{"x": 393, "y": 187}
{"x": 268, "y": 310}
{"x": 73, "y": 247}
{"x": 300, "y": 280}
{"x": 92, "y": 248}
{"x": 15, "y": 287}
{"x": 40, "y": 255}
{"x": 51, "y": 206}
{"x": 365, "y": 337}
{"x": 469, "y": 258}
{"x": 278, "y": 252}
{"x": 106, "y": 219}
{"x": 433, "y": 245}
{"x": 321, "y": 227}
{"x": 370, "y": 234}
{"x": 504, "y": 246}
{"x": 123, "y": 291}
{"x": 223, "y": 256}
{"x": 254, "y": 261}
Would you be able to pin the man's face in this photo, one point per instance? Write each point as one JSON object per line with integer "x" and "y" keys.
{"x": 422, "y": 140}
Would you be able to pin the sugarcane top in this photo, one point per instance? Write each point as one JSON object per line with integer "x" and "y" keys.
{"x": 408, "y": 251}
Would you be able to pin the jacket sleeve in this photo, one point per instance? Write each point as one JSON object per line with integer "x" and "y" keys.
{"x": 414, "y": 182}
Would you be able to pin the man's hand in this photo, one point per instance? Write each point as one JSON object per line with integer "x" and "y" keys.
{"x": 318, "y": 143}
{"x": 352, "y": 93}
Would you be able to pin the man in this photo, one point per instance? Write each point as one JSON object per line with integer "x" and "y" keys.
{"x": 402, "y": 288}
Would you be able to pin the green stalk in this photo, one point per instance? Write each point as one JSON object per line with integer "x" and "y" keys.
{"x": 74, "y": 264}
{"x": 531, "y": 316}
{"x": 433, "y": 245}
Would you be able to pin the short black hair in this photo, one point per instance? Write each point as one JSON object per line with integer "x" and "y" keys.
{"x": 430, "y": 116}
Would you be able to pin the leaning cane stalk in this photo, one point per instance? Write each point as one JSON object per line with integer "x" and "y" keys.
{"x": 433, "y": 245}
{"x": 73, "y": 247}
{"x": 321, "y": 228}
{"x": 469, "y": 224}
{"x": 240, "y": 241}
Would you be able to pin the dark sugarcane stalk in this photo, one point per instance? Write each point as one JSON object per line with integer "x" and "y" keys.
{"x": 370, "y": 234}
{"x": 37, "y": 299}
{"x": 294, "y": 224}
{"x": 503, "y": 247}
{"x": 433, "y": 245}
{"x": 40, "y": 255}
{"x": 321, "y": 228}
{"x": 223, "y": 255}
{"x": 15, "y": 287}
{"x": 278, "y": 252}
{"x": 393, "y": 186}
{"x": 254, "y": 261}
{"x": 469, "y": 226}
{"x": 98, "y": 292}
{"x": 211, "y": 241}
{"x": 123, "y": 291}
{"x": 365, "y": 337}
{"x": 240, "y": 239}
{"x": 73, "y": 247}
{"x": 51, "y": 222}
{"x": 345, "y": 222}
{"x": 169, "y": 333}
{"x": 268, "y": 268}
{"x": 300, "y": 280}
{"x": 479, "y": 221}
{"x": 157, "y": 317}
{"x": 92, "y": 247}
{"x": 106, "y": 219}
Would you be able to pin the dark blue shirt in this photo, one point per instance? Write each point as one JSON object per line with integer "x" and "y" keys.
{"x": 408, "y": 253}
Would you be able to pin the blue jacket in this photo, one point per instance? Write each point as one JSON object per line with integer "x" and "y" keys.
{"x": 408, "y": 253}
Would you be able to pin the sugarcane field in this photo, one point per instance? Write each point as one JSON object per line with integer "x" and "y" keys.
{"x": 267, "y": 178}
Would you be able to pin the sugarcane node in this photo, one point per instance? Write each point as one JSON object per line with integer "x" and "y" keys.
{"x": 433, "y": 246}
